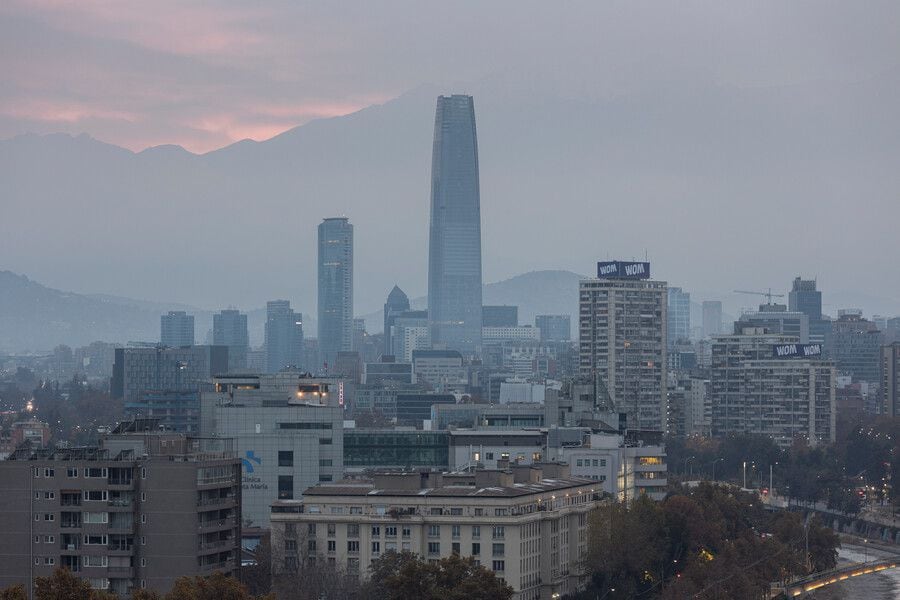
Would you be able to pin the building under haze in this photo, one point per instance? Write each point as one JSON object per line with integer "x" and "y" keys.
{"x": 396, "y": 304}
{"x": 499, "y": 316}
{"x": 890, "y": 379}
{"x": 805, "y": 298}
{"x": 776, "y": 318}
{"x": 454, "y": 245}
{"x": 679, "y": 316}
{"x": 176, "y": 329}
{"x": 335, "y": 288}
{"x": 622, "y": 341}
{"x": 230, "y": 329}
{"x": 554, "y": 328}
{"x": 712, "y": 318}
{"x": 855, "y": 346}
{"x": 284, "y": 337}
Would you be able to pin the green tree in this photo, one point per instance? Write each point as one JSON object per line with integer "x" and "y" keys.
{"x": 406, "y": 576}
{"x": 63, "y": 585}
{"x": 215, "y": 587}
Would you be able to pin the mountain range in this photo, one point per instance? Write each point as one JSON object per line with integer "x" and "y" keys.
{"x": 722, "y": 186}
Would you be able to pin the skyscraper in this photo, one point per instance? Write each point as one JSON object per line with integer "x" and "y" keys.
{"x": 284, "y": 337}
{"x": 230, "y": 329}
{"x": 397, "y": 302}
{"x": 712, "y": 317}
{"x": 679, "y": 315}
{"x": 176, "y": 329}
{"x": 335, "y": 288}
{"x": 805, "y": 298}
{"x": 454, "y": 248}
{"x": 622, "y": 341}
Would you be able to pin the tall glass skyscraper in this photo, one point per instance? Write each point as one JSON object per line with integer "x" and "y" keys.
{"x": 335, "y": 288}
{"x": 284, "y": 337}
{"x": 454, "y": 249}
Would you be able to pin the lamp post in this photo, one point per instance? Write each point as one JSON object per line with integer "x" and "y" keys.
{"x": 714, "y": 467}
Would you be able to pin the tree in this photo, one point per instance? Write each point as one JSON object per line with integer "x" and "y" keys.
{"x": 63, "y": 585}
{"x": 258, "y": 576}
{"x": 406, "y": 576}
{"x": 16, "y": 592}
{"x": 215, "y": 587}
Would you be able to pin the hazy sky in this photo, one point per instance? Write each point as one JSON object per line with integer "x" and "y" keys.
{"x": 738, "y": 143}
{"x": 206, "y": 73}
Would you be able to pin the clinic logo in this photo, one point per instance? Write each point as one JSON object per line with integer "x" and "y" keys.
{"x": 249, "y": 460}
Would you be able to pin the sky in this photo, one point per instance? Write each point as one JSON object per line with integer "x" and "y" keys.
{"x": 206, "y": 73}
{"x": 737, "y": 143}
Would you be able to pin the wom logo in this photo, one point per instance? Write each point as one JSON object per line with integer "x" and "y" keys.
{"x": 796, "y": 350}
{"x": 634, "y": 269}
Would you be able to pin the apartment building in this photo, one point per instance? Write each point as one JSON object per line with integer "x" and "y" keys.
{"x": 139, "y": 510}
{"x": 528, "y": 524}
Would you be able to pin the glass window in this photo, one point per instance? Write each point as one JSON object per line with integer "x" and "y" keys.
{"x": 434, "y": 547}
{"x": 498, "y": 549}
{"x": 285, "y": 487}
{"x": 476, "y": 548}
{"x": 285, "y": 458}
{"x": 476, "y": 532}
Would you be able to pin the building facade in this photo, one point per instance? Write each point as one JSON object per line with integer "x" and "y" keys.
{"x": 287, "y": 430}
{"x": 678, "y": 316}
{"x": 284, "y": 338}
{"x": 500, "y": 316}
{"x": 855, "y": 346}
{"x": 183, "y": 368}
{"x": 554, "y": 328}
{"x": 776, "y": 318}
{"x": 622, "y": 343}
{"x": 230, "y": 329}
{"x": 712, "y": 318}
{"x": 454, "y": 243}
{"x": 805, "y": 298}
{"x": 138, "y": 511}
{"x": 335, "y": 288}
{"x": 176, "y": 329}
{"x": 528, "y": 525}
{"x": 890, "y": 379}
{"x": 396, "y": 304}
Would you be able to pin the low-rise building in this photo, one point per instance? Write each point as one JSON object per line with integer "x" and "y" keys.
{"x": 527, "y": 524}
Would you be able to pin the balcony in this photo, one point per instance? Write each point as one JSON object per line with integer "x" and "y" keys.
{"x": 227, "y": 500}
{"x": 225, "y": 523}
{"x": 216, "y": 545}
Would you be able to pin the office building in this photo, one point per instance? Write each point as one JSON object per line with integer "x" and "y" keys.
{"x": 387, "y": 372}
{"x": 230, "y": 329}
{"x": 395, "y": 449}
{"x": 174, "y": 410}
{"x": 712, "y": 318}
{"x": 678, "y": 316}
{"x": 176, "y": 329}
{"x": 622, "y": 341}
{"x": 855, "y": 346}
{"x": 138, "y": 511}
{"x": 554, "y": 328}
{"x": 184, "y": 368}
{"x": 95, "y": 360}
{"x": 490, "y": 416}
{"x": 454, "y": 243}
{"x": 335, "y": 288}
{"x": 495, "y": 335}
{"x": 442, "y": 370}
{"x": 287, "y": 430}
{"x": 284, "y": 338}
{"x": 806, "y": 299}
{"x": 890, "y": 379}
{"x": 770, "y": 384}
{"x": 776, "y": 318}
{"x": 410, "y": 332}
{"x": 397, "y": 303}
{"x": 528, "y": 525}
{"x": 499, "y": 316}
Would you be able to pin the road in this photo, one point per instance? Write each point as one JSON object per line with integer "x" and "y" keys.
{"x": 880, "y": 586}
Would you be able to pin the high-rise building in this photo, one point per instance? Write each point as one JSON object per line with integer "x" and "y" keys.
{"x": 890, "y": 379}
{"x": 554, "y": 328}
{"x": 712, "y": 318}
{"x": 769, "y": 384}
{"x": 454, "y": 245}
{"x": 500, "y": 316}
{"x": 855, "y": 346}
{"x": 622, "y": 341}
{"x": 805, "y": 298}
{"x": 183, "y": 369}
{"x": 176, "y": 329}
{"x": 230, "y": 329}
{"x": 139, "y": 510}
{"x": 397, "y": 303}
{"x": 679, "y": 316}
{"x": 335, "y": 288}
{"x": 284, "y": 337}
{"x": 776, "y": 318}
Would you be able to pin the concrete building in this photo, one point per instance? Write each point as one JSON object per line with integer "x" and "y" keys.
{"x": 890, "y": 379}
{"x": 174, "y": 410}
{"x": 489, "y": 448}
{"x": 33, "y": 431}
{"x": 287, "y": 430}
{"x": 184, "y": 368}
{"x": 95, "y": 360}
{"x": 138, "y": 511}
{"x": 443, "y": 370}
{"x": 776, "y": 318}
{"x": 698, "y": 419}
{"x": 176, "y": 329}
{"x": 230, "y": 329}
{"x": 678, "y": 316}
{"x": 386, "y": 372}
{"x": 622, "y": 341}
{"x": 554, "y": 328}
{"x": 712, "y": 318}
{"x": 527, "y": 524}
{"x": 855, "y": 346}
{"x": 400, "y": 449}
{"x": 499, "y": 316}
{"x": 284, "y": 338}
{"x": 409, "y": 331}
{"x": 495, "y": 335}
{"x": 335, "y": 288}
{"x": 489, "y": 416}
{"x": 769, "y": 384}
{"x": 454, "y": 241}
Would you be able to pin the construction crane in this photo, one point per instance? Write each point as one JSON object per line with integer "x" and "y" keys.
{"x": 769, "y": 295}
